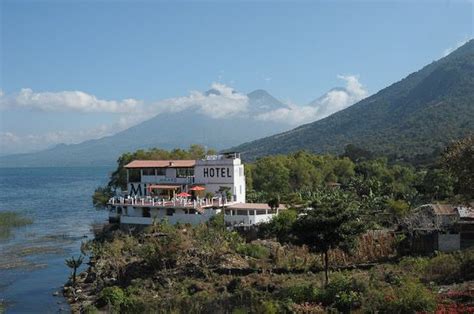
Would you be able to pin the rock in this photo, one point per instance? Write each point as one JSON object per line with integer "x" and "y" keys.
{"x": 55, "y": 293}
{"x": 91, "y": 277}
{"x": 78, "y": 291}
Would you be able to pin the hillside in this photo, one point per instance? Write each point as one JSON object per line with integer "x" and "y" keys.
{"x": 166, "y": 131}
{"x": 412, "y": 118}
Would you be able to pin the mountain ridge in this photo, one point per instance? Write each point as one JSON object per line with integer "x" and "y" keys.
{"x": 442, "y": 91}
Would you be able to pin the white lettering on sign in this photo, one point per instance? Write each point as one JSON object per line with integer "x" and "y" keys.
{"x": 217, "y": 172}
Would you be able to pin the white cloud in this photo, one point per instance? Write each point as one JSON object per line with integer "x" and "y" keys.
{"x": 65, "y": 101}
{"x": 221, "y": 102}
{"x": 331, "y": 102}
{"x": 456, "y": 46}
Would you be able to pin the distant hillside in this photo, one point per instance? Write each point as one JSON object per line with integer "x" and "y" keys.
{"x": 167, "y": 131}
{"x": 414, "y": 117}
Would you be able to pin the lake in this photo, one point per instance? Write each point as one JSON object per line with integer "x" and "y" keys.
{"x": 32, "y": 258}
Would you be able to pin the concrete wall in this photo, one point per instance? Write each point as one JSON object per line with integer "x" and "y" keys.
{"x": 449, "y": 242}
{"x": 247, "y": 219}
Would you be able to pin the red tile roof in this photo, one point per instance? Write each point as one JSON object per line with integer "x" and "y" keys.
{"x": 161, "y": 164}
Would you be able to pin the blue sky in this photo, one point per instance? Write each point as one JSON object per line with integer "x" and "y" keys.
{"x": 149, "y": 51}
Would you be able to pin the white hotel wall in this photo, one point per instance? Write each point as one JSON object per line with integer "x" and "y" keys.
{"x": 206, "y": 172}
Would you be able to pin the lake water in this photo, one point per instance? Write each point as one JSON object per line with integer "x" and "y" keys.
{"x": 32, "y": 258}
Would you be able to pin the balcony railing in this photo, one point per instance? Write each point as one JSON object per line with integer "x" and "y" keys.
{"x": 175, "y": 202}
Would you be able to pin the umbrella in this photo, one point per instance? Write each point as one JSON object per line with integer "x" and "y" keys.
{"x": 183, "y": 194}
{"x": 197, "y": 188}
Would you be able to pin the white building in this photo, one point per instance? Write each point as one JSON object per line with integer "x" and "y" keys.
{"x": 187, "y": 191}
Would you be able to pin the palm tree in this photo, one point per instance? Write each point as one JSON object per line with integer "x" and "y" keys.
{"x": 74, "y": 264}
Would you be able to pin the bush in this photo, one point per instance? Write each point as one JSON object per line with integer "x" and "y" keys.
{"x": 300, "y": 293}
{"x": 342, "y": 293}
{"x": 101, "y": 196}
{"x": 112, "y": 295}
{"x": 253, "y": 250}
{"x": 443, "y": 268}
{"x": 410, "y": 297}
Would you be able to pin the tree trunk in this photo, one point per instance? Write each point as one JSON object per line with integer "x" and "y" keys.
{"x": 326, "y": 268}
{"x": 74, "y": 276}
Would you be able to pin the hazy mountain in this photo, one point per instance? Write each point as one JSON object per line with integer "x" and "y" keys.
{"x": 167, "y": 130}
{"x": 414, "y": 117}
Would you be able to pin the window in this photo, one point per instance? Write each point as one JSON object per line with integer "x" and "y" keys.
{"x": 146, "y": 212}
{"x": 242, "y": 212}
{"x": 134, "y": 175}
{"x": 240, "y": 171}
{"x": 149, "y": 172}
{"x": 160, "y": 171}
{"x": 169, "y": 211}
{"x": 184, "y": 172}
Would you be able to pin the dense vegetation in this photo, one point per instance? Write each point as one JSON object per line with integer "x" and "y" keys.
{"x": 330, "y": 251}
{"x": 411, "y": 120}
{"x": 207, "y": 268}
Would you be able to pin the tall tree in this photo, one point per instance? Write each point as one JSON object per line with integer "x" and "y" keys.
{"x": 458, "y": 159}
{"x": 334, "y": 221}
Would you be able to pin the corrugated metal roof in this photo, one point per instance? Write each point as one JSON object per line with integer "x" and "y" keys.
{"x": 466, "y": 212}
{"x": 161, "y": 164}
{"x": 443, "y": 209}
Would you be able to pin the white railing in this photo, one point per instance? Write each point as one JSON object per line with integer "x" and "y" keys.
{"x": 175, "y": 202}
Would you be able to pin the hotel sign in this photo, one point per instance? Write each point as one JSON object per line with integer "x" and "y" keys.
{"x": 216, "y": 172}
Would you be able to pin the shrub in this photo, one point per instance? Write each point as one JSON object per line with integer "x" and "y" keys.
{"x": 410, "y": 297}
{"x": 467, "y": 265}
{"x": 443, "y": 268}
{"x": 300, "y": 293}
{"x": 414, "y": 265}
{"x": 253, "y": 250}
{"x": 342, "y": 293}
{"x": 112, "y": 295}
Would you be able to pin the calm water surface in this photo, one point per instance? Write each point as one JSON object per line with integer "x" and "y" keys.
{"x": 32, "y": 258}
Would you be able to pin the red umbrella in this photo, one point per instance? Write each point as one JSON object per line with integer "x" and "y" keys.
{"x": 183, "y": 194}
{"x": 197, "y": 188}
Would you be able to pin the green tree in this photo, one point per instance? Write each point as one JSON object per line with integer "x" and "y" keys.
{"x": 280, "y": 226}
{"x": 74, "y": 264}
{"x": 458, "y": 159}
{"x": 333, "y": 222}
{"x": 271, "y": 175}
{"x": 438, "y": 184}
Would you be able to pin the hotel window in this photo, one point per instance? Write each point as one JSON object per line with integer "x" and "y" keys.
{"x": 160, "y": 171}
{"x": 184, "y": 172}
{"x": 134, "y": 175}
{"x": 149, "y": 172}
{"x": 240, "y": 171}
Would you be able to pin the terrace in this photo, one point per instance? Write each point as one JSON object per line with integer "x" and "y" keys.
{"x": 175, "y": 202}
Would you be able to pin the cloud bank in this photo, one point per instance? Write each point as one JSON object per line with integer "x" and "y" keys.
{"x": 220, "y": 102}
{"x": 335, "y": 100}
{"x": 65, "y": 101}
